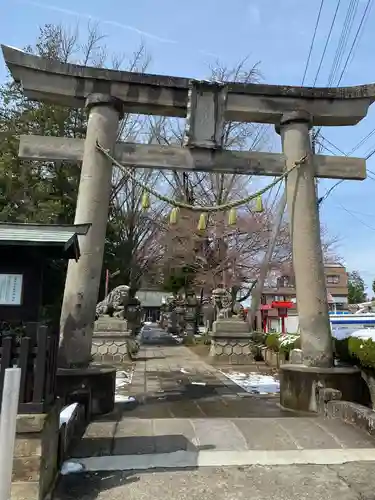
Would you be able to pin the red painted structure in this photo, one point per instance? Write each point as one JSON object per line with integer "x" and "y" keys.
{"x": 282, "y": 313}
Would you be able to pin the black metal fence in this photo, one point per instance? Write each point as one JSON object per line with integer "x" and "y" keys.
{"x": 33, "y": 348}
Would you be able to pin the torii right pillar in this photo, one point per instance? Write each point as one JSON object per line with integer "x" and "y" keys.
{"x": 301, "y": 385}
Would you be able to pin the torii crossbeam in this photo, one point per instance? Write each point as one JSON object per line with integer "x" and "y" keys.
{"x": 41, "y": 148}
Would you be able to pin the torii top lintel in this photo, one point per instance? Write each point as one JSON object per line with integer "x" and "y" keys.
{"x": 69, "y": 84}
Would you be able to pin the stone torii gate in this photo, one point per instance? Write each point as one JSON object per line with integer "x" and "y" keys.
{"x": 107, "y": 94}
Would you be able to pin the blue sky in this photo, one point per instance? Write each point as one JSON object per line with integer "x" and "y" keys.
{"x": 184, "y": 38}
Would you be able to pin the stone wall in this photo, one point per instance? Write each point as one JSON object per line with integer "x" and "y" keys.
{"x": 35, "y": 463}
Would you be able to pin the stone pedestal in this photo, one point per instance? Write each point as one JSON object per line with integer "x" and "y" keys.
{"x": 109, "y": 344}
{"x": 300, "y": 385}
{"x": 94, "y": 387}
{"x": 231, "y": 342}
{"x": 35, "y": 455}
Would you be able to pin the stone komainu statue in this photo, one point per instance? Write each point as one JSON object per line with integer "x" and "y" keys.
{"x": 222, "y": 301}
{"x": 113, "y": 304}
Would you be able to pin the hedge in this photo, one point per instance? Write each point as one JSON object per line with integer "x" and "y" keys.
{"x": 362, "y": 351}
{"x": 272, "y": 342}
{"x": 283, "y": 343}
{"x": 259, "y": 337}
{"x": 351, "y": 350}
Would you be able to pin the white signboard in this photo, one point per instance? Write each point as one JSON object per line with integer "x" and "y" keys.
{"x": 10, "y": 289}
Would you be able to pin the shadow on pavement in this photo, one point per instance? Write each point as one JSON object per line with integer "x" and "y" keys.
{"x": 88, "y": 485}
{"x": 196, "y": 395}
{"x": 135, "y": 445}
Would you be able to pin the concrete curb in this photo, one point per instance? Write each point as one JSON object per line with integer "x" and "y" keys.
{"x": 224, "y": 458}
{"x": 353, "y": 413}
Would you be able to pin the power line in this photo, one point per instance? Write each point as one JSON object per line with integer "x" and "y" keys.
{"x": 356, "y": 38}
{"x": 355, "y": 217}
{"x": 343, "y": 41}
{"x": 313, "y": 41}
{"x": 362, "y": 141}
{"x": 346, "y": 29}
{"x": 327, "y": 41}
{"x": 340, "y": 50}
{"x": 370, "y": 154}
{"x": 329, "y": 191}
{"x": 333, "y": 145}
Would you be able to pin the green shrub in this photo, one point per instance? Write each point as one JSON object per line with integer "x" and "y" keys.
{"x": 341, "y": 350}
{"x": 205, "y": 339}
{"x": 259, "y": 338}
{"x": 363, "y": 351}
{"x": 289, "y": 342}
{"x": 189, "y": 340}
{"x": 272, "y": 341}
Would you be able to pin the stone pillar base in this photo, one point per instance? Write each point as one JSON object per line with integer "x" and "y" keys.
{"x": 109, "y": 342}
{"x": 300, "y": 384}
{"x": 35, "y": 463}
{"x": 231, "y": 342}
{"x": 94, "y": 387}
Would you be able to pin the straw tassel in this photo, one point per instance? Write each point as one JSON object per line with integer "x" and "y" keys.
{"x": 202, "y": 224}
{"x": 173, "y": 216}
{"x": 259, "y": 205}
{"x": 145, "y": 200}
{"x": 232, "y": 217}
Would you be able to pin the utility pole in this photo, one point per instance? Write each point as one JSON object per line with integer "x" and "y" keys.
{"x": 255, "y": 299}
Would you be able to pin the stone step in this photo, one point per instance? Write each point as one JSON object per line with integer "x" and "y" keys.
{"x": 139, "y": 436}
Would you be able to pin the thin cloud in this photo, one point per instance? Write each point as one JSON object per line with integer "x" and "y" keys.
{"x": 209, "y": 54}
{"x": 254, "y": 13}
{"x": 128, "y": 27}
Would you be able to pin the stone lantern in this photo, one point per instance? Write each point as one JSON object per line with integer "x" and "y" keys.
{"x": 208, "y": 311}
{"x": 133, "y": 315}
{"x": 191, "y": 304}
{"x": 180, "y": 313}
{"x": 172, "y": 316}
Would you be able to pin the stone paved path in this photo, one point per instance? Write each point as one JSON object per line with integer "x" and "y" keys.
{"x": 194, "y": 434}
{"x": 186, "y": 405}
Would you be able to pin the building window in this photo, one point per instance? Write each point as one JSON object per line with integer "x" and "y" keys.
{"x": 279, "y": 298}
{"x": 340, "y": 306}
{"x": 333, "y": 279}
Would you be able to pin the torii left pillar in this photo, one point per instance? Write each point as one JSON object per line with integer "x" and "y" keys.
{"x": 83, "y": 277}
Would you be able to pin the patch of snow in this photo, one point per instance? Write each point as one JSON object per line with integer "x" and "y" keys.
{"x": 177, "y": 338}
{"x": 365, "y": 334}
{"x": 289, "y": 338}
{"x": 70, "y": 467}
{"x": 67, "y": 413}
{"x": 121, "y": 382}
{"x": 123, "y": 378}
{"x": 255, "y": 383}
{"x": 121, "y": 398}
